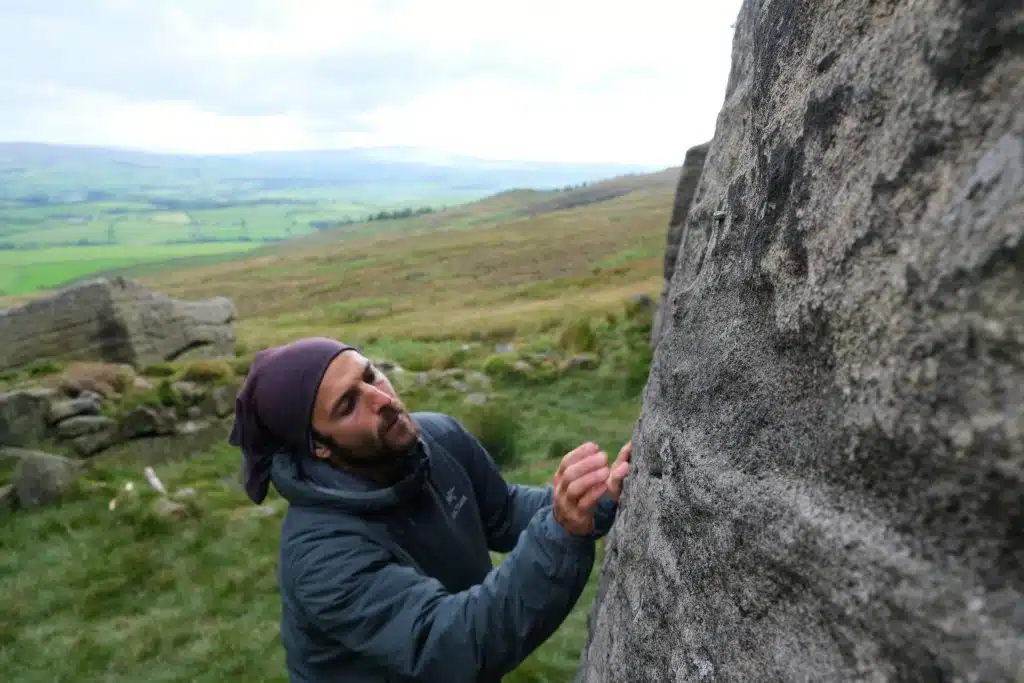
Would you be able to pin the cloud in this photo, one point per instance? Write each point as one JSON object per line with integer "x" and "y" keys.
{"x": 554, "y": 80}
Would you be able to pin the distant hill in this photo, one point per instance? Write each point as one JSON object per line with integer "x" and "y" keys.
{"x": 39, "y": 174}
{"x": 68, "y": 212}
{"x": 618, "y": 221}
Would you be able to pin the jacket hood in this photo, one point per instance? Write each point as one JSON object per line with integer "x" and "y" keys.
{"x": 311, "y": 482}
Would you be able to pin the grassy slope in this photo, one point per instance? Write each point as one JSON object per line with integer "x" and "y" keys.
{"x": 94, "y": 594}
{"x": 120, "y": 209}
{"x": 48, "y": 246}
{"x": 462, "y": 274}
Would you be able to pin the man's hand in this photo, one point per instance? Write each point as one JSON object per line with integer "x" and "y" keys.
{"x": 582, "y": 478}
{"x": 619, "y": 470}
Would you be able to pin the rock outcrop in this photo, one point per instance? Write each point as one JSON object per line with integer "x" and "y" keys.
{"x": 85, "y": 423}
{"x": 828, "y": 473}
{"x": 115, "y": 321}
{"x": 689, "y": 174}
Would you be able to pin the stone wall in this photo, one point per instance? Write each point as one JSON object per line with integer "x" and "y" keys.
{"x": 828, "y": 474}
{"x": 86, "y": 423}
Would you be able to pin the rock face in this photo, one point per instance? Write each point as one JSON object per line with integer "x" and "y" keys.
{"x": 115, "y": 321}
{"x": 828, "y": 474}
{"x": 693, "y": 164}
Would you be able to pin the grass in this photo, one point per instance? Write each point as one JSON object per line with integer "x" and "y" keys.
{"x": 124, "y": 595}
{"x": 25, "y": 271}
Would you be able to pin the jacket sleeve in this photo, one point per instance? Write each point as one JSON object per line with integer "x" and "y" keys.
{"x": 506, "y": 509}
{"x": 354, "y": 592}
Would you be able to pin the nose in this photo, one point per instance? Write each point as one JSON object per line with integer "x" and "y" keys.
{"x": 378, "y": 398}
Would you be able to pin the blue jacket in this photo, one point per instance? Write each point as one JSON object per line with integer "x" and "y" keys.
{"x": 397, "y": 584}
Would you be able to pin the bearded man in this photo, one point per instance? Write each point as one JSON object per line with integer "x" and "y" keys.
{"x": 384, "y": 568}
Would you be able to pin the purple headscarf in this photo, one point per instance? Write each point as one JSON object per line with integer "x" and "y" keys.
{"x": 274, "y": 409}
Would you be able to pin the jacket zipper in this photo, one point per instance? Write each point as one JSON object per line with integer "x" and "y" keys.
{"x": 435, "y": 494}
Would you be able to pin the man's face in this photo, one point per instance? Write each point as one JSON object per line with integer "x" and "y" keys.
{"x": 357, "y": 408}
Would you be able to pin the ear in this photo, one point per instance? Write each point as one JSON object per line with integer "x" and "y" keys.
{"x": 321, "y": 451}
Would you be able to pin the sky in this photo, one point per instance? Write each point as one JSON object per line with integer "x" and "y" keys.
{"x": 634, "y": 81}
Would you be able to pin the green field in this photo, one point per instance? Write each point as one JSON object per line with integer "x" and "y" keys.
{"x": 25, "y": 271}
{"x": 43, "y": 247}
{"x": 133, "y": 209}
{"x": 122, "y": 595}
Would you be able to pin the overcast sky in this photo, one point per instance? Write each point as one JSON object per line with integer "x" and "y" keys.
{"x": 565, "y": 80}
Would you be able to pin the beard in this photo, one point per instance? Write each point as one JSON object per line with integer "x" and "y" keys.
{"x": 393, "y": 451}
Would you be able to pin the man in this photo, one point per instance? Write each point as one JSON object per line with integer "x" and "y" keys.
{"x": 384, "y": 567}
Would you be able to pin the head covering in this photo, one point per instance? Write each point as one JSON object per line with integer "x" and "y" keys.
{"x": 274, "y": 409}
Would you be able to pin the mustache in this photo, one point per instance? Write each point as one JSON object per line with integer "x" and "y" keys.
{"x": 389, "y": 416}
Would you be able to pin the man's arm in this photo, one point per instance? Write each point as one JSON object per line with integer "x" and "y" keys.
{"x": 412, "y": 627}
{"x": 507, "y": 508}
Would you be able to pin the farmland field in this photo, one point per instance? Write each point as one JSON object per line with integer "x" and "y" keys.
{"x": 70, "y": 212}
{"x": 23, "y": 271}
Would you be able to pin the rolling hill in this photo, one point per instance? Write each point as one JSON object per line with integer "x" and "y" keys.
{"x": 43, "y": 174}
{"x": 68, "y": 212}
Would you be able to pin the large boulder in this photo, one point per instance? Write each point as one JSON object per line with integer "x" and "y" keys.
{"x": 115, "y": 321}
{"x": 689, "y": 174}
{"x": 828, "y": 473}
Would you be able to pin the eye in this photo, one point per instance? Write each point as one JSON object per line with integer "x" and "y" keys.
{"x": 346, "y": 407}
{"x": 371, "y": 375}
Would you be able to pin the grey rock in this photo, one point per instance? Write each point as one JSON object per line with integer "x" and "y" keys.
{"x": 115, "y": 320}
{"x": 689, "y": 174}
{"x": 476, "y": 399}
{"x": 80, "y": 425}
{"x": 220, "y": 401}
{"x": 828, "y": 471}
{"x": 94, "y": 442}
{"x": 23, "y": 416}
{"x": 147, "y": 421}
{"x": 87, "y": 403}
{"x": 42, "y": 479}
